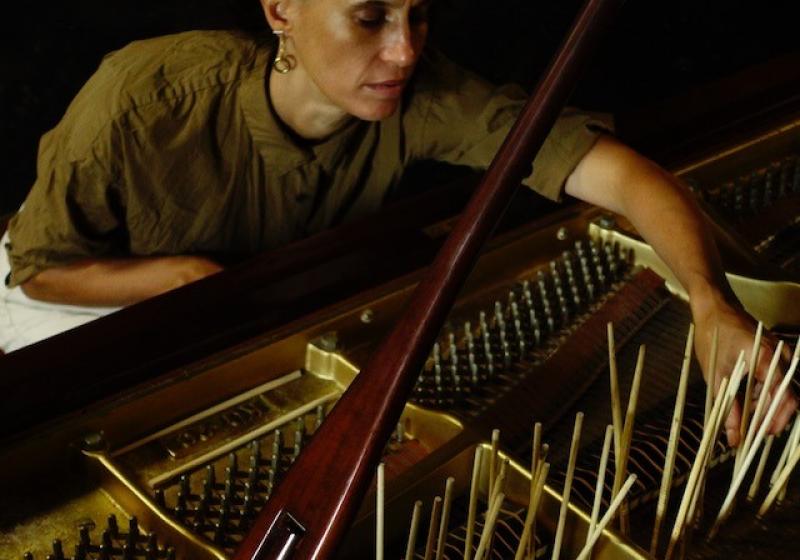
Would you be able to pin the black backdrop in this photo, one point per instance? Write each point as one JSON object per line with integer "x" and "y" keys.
{"x": 659, "y": 47}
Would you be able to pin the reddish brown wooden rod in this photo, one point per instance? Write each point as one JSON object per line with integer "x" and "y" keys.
{"x": 311, "y": 509}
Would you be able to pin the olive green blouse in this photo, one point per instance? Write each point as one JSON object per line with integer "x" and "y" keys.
{"x": 172, "y": 148}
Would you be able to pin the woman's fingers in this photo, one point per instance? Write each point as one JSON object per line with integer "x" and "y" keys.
{"x": 732, "y": 424}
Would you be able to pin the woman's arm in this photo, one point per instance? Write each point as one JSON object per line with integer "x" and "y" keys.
{"x": 116, "y": 282}
{"x": 664, "y": 212}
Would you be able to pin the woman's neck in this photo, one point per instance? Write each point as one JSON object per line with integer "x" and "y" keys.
{"x": 301, "y": 106}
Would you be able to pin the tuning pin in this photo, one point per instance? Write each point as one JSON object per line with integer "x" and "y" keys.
{"x": 520, "y": 336}
{"x": 113, "y": 528}
{"x": 252, "y": 472}
{"x": 28, "y": 556}
{"x": 277, "y": 446}
{"x": 248, "y": 507}
{"x": 483, "y": 324}
{"x": 499, "y": 316}
{"x": 128, "y": 551}
{"x": 540, "y": 280}
{"x": 612, "y": 260}
{"x": 219, "y": 533}
{"x": 487, "y": 351}
{"x": 320, "y": 417}
{"x": 230, "y": 484}
{"x": 81, "y": 550}
{"x": 106, "y": 551}
{"x": 133, "y": 531}
{"x": 151, "y": 551}
{"x": 255, "y": 451}
{"x": 58, "y": 550}
{"x": 473, "y": 369}
{"x": 233, "y": 463}
{"x": 548, "y": 316}
{"x": 769, "y": 187}
{"x": 158, "y": 496}
{"x": 84, "y": 537}
{"x": 453, "y": 350}
{"x": 437, "y": 355}
{"x": 106, "y": 539}
{"x": 184, "y": 488}
{"x": 534, "y": 322}
{"x": 526, "y": 293}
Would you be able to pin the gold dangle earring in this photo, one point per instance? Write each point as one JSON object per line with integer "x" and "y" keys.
{"x": 283, "y": 62}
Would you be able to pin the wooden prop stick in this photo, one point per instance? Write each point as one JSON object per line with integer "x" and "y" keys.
{"x": 621, "y": 465}
{"x": 412, "y": 533}
{"x": 616, "y": 401}
{"x": 794, "y": 438}
{"x": 787, "y": 448}
{"x": 707, "y": 442}
{"x": 762, "y": 463}
{"x": 435, "y": 511}
{"x": 527, "y": 541}
{"x": 498, "y": 487}
{"x": 601, "y": 481}
{"x": 748, "y": 393}
{"x": 780, "y": 483}
{"x": 728, "y": 398}
{"x": 536, "y": 454}
{"x": 542, "y": 463}
{"x": 609, "y": 515}
{"x": 493, "y": 463}
{"x": 727, "y": 505}
{"x": 500, "y": 481}
{"x": 473, "y": 503}
{"x": 380, "y": 494}
{"x": 562, "y": 514}
{"x": 747, "y": 440}
{"x": 310, "y": 511}
{"x": 488, "y": 527}
{"x": 672, "y": 446}
{"x": 711, "y": 372}
{"x": 445, "y": 520}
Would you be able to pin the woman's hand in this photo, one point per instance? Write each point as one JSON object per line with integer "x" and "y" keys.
{"x": 736, "y": 333}
{"x": 117, "y": 282}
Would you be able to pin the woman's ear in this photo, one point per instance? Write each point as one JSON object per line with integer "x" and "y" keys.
{"x": 276, "y": 12}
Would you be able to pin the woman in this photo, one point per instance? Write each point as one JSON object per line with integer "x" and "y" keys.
{"x": 176, "y": 148}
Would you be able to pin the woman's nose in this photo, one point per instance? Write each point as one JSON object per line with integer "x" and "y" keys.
{"x": 400, "y": 48}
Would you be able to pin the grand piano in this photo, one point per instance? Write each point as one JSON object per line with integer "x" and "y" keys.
{"x": 161, "y": 430}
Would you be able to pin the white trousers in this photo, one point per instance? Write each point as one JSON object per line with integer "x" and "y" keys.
{"x": 24, "y": 321}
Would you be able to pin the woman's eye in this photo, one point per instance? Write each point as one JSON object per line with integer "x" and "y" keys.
{"x": 371, "y": 18}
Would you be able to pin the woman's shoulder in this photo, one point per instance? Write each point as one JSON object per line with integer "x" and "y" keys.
{"x": 187, "y": 61}
{"x": 149, "y": 77}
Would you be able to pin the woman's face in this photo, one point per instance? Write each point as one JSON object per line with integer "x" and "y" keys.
{"x": 360, "y": 54}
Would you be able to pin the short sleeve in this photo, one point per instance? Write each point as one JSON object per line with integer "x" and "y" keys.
{"x": 457, "y": 117}
{"x": 72, "y": 211}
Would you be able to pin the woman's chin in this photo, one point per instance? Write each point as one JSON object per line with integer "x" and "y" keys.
{"x": 376, "y": 111}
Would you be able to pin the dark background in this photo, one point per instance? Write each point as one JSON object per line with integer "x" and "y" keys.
{"x": 659, "y": 48}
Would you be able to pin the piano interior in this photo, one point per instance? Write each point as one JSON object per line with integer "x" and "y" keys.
{"x": 179, "y": 468}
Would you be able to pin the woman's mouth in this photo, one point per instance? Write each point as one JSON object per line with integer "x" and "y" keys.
{"x": 389, "y": 88}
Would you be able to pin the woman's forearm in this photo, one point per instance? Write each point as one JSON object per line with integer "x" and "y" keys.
{"x": 661, "y": 209}
{"x": 116, "y": 282}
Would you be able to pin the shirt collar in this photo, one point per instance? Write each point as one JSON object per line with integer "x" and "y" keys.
{"x": 280, "y": 151}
